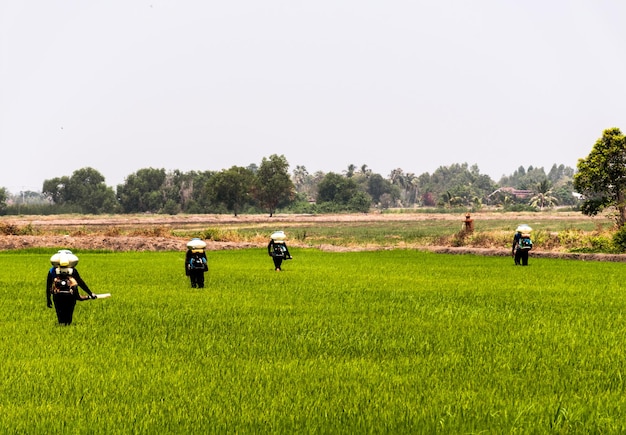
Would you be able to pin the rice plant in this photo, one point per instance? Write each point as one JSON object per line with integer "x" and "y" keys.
{"x": 393, "y": 341}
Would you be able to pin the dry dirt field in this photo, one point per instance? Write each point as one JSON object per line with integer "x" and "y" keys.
{"x": 95, "y": 232}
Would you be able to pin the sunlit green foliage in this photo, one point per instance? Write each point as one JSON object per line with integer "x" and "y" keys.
{"x": 84, "y": 190}
{"x": 601, "y": 177}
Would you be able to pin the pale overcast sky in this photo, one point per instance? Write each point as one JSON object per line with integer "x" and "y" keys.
{"x": 121, "y": 85}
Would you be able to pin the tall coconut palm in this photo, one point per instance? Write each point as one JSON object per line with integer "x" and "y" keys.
{"x": 350, "y": 171}
{"x": 543, "y": 196}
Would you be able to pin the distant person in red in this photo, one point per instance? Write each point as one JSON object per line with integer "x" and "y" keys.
{"x": 62, "y": 286}
{"x": 196, "y": 262}
{"x": 277, "y": 249}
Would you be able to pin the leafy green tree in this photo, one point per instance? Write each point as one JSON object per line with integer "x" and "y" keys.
{"x": 194, "y": 192}
{"x": 360, "y": 202}
{"x": 336, "y": 188}
{"x": 459, "y": 185}
{"x": 601, "y": 177}
{"x": 142, "y": 191}
{"x": 525, "y": 179}
{"x": 564, "y": 193}
{"x": 619, "y": 239}
{"x": 231, "y": 188}
{"x": 88, "y": 189}
{"x": 338, "y": 193}
{"x": 559, "y": 173}
{"x": 85, "y": 189}
{"x": 273, "y": 185}
{"x": 174, "y": 191}
{"x": 55, "y": 189}
{"x": 3, "y": 199}
{"x": 378, "y": 186}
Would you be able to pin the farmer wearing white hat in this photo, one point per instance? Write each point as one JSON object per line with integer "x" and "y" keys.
{"x": 62, "y": 286}
{"x": 522, "y": 244}
{"x": 277, "y": 249}
{"x": 196, "y": 262}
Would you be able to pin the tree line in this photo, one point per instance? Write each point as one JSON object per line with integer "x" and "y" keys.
{"x": 270, "y": 186}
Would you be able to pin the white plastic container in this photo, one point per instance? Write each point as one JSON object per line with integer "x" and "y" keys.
{"x": 196, "y": 245}
{"x": 278, "y": 236}
{"x": 64, "y": 258}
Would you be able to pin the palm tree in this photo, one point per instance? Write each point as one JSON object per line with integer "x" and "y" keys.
{"x": 300, "y": 175}
{"x": 350, "y": 171}
{"x": 365, "y": 171}
{"x": 398, "y": 178}
{"x": 543, "y": 196}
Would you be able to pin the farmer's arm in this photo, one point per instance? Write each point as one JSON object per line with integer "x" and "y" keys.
{"x": 49, "y": 282}
{"x": 187, "y": 258}
{"x": 82, "y": 284}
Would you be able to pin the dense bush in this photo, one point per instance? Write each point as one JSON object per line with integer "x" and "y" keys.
{"x": 619, "y": 239}
{"x": 9, "y": 229}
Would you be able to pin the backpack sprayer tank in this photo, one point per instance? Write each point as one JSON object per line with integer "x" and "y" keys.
{"x": 64, "y": 258}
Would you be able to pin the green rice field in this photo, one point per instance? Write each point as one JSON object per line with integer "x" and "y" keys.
{"x": 396, "y": 341}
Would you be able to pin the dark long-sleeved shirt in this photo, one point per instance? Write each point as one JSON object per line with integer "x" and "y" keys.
{"x": 516, "y": 241}
{"x": 282, "y": 250}
{"x": 52, "y": 273}
{"x": 191, "y": 254}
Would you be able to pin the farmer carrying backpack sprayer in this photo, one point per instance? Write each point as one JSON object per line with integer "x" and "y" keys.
{"x": 196, "y": 262}
{"x": 62, "y": 286}
{"x": 277, "y": 249}
{"x": 522, "y": 244}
